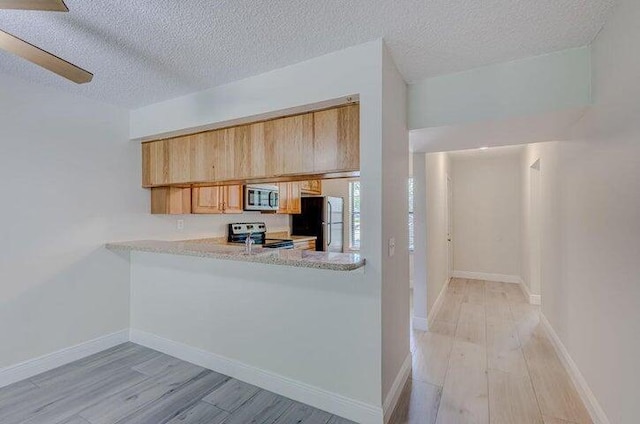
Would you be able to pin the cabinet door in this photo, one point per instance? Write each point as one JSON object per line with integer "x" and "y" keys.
{"x": 155, "y": 163}
{"x": 208, "y": 156}
{"x": 179, "y": 156}
{"x": 274, "y": 133}
{"x": 295, "y": 198}
{"x": 203, "y": 152}
{"x": 337, "y": 139}
{"x": 316, "y": 187}
{"x": 283, "y": 198}
{"x": 305, "y": 245}
{"x": 290, "y": 198}
{"x": 311, "y": 187}
{"x": 238, "y": 152}
{"x": 233, "y": 199}
{"x": 166, "y": 162}
{"x": 207, "y": 200}
{"x": 170, "y": 200}
{"x": 257, "y": 154}
{"x": 297, "y": 142}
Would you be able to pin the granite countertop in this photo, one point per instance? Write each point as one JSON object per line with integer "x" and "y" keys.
{"x": 217, "y": 250}
{"x": 280, "y": 235}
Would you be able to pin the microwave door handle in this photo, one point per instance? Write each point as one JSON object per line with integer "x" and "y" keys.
{"x": 270, "y": 199}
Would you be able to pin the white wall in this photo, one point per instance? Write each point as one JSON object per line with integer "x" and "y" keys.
{"x": 395, "y": 212}
{"x": 418, "y": 260}
{"x": 311, "y": 328}
{"x": 487, "y": 205}
{"x": 71, "y": 181}
{"x": 547, "y": 155}
{"x": 594, "y": 306}
{"x": 525, "y": 87}
{"x": 438, "y": 167}
{"x": 368, "y": 72}
{"x": 591, "y": 225}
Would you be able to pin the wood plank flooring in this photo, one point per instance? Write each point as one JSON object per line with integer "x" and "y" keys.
{"x": 130, "y": 384}
{"x": 487, "y": 359}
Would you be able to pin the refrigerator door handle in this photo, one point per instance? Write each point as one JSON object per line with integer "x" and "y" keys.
{"x": 329, "y": 223}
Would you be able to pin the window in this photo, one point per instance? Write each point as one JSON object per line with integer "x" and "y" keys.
{"x": 354, "y": 210}
{"x": 411, "y": 214}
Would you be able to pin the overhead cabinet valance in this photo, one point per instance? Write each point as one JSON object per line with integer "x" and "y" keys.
{"x": 324, "y": 143}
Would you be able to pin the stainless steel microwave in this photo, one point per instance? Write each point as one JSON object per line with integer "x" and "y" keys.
{"x": 261, "y": 197}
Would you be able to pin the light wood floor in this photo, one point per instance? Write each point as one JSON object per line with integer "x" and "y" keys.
{"x": 487, "y": 359}
{"x": 130, "y": 384}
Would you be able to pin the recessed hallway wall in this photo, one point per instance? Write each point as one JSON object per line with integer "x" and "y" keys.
{"x": 487, "y": 210}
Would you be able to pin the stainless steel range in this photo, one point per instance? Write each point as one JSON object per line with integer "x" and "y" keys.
{"x": 257, "y": 232}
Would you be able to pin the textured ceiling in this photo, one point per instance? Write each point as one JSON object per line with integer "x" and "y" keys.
{"x": 144, "y": 51}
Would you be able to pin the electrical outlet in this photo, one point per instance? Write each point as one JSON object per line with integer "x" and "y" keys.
{"x": 392, "y": 246}
{"x": 180, "y": 224}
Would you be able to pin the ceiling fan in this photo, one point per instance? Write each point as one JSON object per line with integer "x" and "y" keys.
{"x": 35, "y": 54}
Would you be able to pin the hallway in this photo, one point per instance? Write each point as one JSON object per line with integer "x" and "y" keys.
{"x": 487, "y": 359}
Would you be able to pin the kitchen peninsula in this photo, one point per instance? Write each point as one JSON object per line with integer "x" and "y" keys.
{"x": 299, "y": 322}
{"x": 289, "y": 329}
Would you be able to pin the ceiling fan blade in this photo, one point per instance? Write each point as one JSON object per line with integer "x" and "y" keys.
{"x": 48, "y": 5}
{"x": 43, "y": 58}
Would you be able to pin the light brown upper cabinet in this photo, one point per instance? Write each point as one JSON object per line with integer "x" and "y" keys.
{"x": 311, "y": 187}
{"x": 288, "y": 146}
{"x": 233, "y": 201}
{"x": 219, "y": 199}
{"x": 289, "y": 198}
{"x": 258, "y": 165}
{"x": 336, "y": 139}
{"x": 171, "y": 200}
{"x": 295, "y": 145}
{"x": 166, "y": 162}
{"x": 212, "y": 156}
{"x": 314, "y": 144}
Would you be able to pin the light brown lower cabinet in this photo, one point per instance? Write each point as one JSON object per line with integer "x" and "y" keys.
{"x": 219, "y": 199}
{"x": 305, "y": 245}
{"x": 289, "y": 195}
{"x": 200, "y": 200}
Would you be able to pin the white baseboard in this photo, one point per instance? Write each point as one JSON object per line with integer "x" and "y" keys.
{"x": 32, "y": 367}
{"x": 438, "y": 303}
{"x": 343, "y": 406}
{"x": 419, "y": 323}
{"x": 534, "y": 299}
{"x": 391, "y": 400}
{"x": 500, "y": 278}
{"x": 588, "y": 398}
